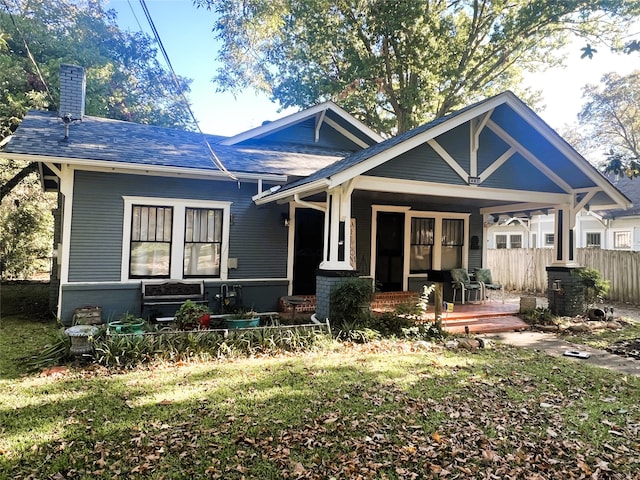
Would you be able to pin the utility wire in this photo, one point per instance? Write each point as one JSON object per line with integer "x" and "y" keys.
{"x": 26, "y": 46}
{"x": 212, "y": 155}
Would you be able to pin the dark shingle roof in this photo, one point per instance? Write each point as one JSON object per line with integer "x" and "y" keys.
{"x": 100, "y": 139}
{"x": 631, "y": 188}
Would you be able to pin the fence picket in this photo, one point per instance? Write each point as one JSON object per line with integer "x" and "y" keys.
{"x": 524, "y": 269}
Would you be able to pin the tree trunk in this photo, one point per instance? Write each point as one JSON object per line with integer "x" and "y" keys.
{"x": 17, "y": 178}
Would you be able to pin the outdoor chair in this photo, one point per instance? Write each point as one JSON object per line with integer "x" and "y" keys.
{"x": 483, "y": 276}
{"x": 460, "y": 280}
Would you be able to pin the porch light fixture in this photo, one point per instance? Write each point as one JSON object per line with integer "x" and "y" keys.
{"x": 285, "y": 219}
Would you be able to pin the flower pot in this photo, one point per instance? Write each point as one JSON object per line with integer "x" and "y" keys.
{"x": 127, "y": 327}
{"x": 204, "y": 321}
{"x": 242, "y": 322}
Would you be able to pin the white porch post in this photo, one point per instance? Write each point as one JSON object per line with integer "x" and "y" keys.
{"x": 337, "y": 239}
{"x": 564, "y": 242}
{"x": 336, "y": 261}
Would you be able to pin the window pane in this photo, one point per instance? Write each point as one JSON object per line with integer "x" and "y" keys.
{"x": 516, "y": 241}
{"x": 501, "y": 241}
{"x": 149, "y": 259}
{"x": 150, "y": 250}
{"x": 451, "y": 257}
{"x": 421, "y": 245}
{"x": 621, "y": 239}
{"x": 452, "y": 232}
{"x": 593, "y": 240}
{"x": 548, "y": 239}
{"x": 203, "y": 242}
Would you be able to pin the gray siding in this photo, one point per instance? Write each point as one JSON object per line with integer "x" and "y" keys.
{"x": 117, "y": 299}
{"x": 257, "y": 239}
{"x": 303, "y": 133}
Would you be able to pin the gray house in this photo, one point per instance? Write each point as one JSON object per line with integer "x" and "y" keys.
{"x": 293, "y": 206}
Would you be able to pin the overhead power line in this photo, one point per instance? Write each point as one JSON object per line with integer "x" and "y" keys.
{"x": 212, "y": 155}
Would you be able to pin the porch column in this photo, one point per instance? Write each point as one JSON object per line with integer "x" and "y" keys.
{"x": 564, "y": 292}
{"x": 337, "y": 231}
{"x": 336, "y": 262}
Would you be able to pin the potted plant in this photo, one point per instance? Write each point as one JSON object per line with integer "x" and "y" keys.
{"x": 191, "y": 314}
{"x": 243, "y": 319}
{"x": 128, "y": 323}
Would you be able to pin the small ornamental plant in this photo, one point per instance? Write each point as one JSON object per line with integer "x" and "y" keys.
{"x": 189, "y": 314}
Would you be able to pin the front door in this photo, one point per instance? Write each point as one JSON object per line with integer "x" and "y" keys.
{"x": 390, "y": 251}
{"x": 308, "y": 244}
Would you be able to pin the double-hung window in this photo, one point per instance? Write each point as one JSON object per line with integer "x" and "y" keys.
{"x": 174, "y": 238}
{"x": 452, "y": 243}
{"x": 202, "y": 242}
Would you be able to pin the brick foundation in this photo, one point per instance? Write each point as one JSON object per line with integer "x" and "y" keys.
{"x": 565, "y": 291}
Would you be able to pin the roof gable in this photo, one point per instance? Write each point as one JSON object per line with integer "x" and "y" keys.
{"x": 313, "y": 125}
{"x": 526, "y": 153}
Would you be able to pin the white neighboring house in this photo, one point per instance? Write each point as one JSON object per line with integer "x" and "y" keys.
{"x": 611, "y": 230}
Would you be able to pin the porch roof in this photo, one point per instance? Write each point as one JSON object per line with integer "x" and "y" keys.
{"x": 538, "y": 147}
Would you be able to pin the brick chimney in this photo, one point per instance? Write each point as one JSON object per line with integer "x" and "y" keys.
{"x": 73, "y": 85}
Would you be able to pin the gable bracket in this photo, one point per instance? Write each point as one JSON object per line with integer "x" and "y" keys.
{"x": 449, "y": 159}
{"x": 530, "y": 157}
{"x": 319, "y": 119}
{"x": 497, "y": 163}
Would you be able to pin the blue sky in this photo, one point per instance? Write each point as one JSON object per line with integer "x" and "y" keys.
{"x": 186, "y": 33}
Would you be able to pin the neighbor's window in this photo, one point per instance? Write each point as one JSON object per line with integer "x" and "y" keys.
{"x": 622, "y": 239}
{"x": 501, "y": 241}
{"x": 593, "y": 240}
{"x": 534, "y": 240}
{"x": 150, "y": 251}
{"x": 202, "y": 242}
{"x": 549, "y": 239}
{"x": 515, "y": 241}
{"x": 452, "y": 243}
{"x": 421, "y": 244}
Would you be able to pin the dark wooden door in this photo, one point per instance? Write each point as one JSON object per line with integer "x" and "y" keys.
{"x": 390, "y": 251}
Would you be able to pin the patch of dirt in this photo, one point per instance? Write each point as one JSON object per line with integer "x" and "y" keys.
{"x": 626, "y": 348}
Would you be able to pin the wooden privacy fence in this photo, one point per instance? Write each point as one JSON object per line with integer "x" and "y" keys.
{"x": 524, "y": 269}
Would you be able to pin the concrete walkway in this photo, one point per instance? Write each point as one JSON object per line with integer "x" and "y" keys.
{"x": 554, "y": 346}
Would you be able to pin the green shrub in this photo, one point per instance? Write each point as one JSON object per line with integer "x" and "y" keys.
{"x": 351, "y": 304}
{"x": 596, "y": 288}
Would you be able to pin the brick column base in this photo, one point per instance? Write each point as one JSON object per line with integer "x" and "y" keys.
{"x": 565, "y": 291}
{"x": 326, "y": 281}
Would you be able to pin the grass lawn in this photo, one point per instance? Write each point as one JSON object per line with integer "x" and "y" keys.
{"x": 380, "y": 410}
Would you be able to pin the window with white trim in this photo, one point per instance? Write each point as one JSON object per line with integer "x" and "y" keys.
{"x": 515, "y": 241}
{"x": 622, "y": 239}
{"x": 549, "y": 239}
{"x": 202, "y": 242}
{"x": 593, "y": 240}
{"x": 174, "y": 238}
{"x": 501, "y": 241}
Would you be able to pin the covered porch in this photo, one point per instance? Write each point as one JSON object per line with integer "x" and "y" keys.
{"x": 409, "y": 209}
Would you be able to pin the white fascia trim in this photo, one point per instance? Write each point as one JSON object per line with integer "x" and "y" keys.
{"x": 392, "y": 185}
{"x": 156, "y": 170}
{"x": 284, "y": 122}
{"x": 306, "y": 189}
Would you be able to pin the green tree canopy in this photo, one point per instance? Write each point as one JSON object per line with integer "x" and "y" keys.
{"x": 398, "y": 63}
{"x": 125, "y": 80}
{"x": 611, "y": 115}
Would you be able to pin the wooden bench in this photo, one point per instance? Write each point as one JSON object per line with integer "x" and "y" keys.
{"x": 171, "y": 292}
